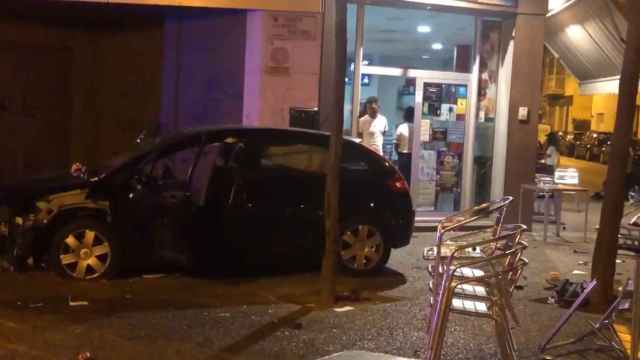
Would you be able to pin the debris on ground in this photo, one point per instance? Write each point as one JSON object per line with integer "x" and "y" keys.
{"x": 619, "y": 261}
{"x": 85, "y": 356}
{"x": 579, "y": 251}
{"x": 77, "y": 302}
{"x": 553, "y": 278}
{"x": 583, "y": 263}
{"x": 36, "y": 305}
{"x": 344, "y": 308}
{"x": 153, "y": 276}
{"x": 551, "y": 300}
{"x": 578, "y": 272}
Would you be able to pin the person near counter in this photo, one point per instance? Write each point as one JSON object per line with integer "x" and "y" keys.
{"x": 373, "y": 126}
{"x": 403, "y": 142}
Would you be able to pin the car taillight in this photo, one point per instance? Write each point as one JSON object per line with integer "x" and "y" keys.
{"x": 398, "y": 184}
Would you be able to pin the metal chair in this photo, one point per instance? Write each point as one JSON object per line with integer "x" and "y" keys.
{"x": 493, "y": 279}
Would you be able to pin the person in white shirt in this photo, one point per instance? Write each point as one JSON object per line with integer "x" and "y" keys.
{"x": 403, "y": 142}
{"x": 552, "y": 156}
{"x": 372, "y": 126}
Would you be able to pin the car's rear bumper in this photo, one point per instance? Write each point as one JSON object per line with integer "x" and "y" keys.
{"x": 401, "y": 229}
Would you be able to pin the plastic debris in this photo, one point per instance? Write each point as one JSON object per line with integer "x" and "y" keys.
{"x": 344, "y": 308}
{"x": 582, "y": 262}
{"x": 77, "y": 302}
{"x": 551, "y": 300}
{"x": 578, "y": 272}
{"x": 84, "y": 356}
{"x": 153, "y": 276}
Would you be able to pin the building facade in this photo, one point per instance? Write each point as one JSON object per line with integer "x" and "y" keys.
{"x": 109, "y": 70}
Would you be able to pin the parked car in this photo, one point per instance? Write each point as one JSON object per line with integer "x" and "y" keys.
{"x": 250, "y": 196}
{"x": 591, "y": 146}
{"x": 635, "y": 152}
{"x": 567, "y": 143}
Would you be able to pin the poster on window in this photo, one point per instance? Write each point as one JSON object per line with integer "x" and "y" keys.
{"x": 427, "y": 176}
{"x": 489, "y": 66}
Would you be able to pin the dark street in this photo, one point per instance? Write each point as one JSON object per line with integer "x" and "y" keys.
{"x": 274, "y": 317}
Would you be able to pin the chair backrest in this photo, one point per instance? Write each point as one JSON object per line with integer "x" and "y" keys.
{"x": 510, "y": 237}
{"x": 483, "y": 211}
{"x": 505, "y": 267}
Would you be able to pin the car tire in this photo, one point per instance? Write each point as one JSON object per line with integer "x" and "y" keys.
{"x": 364, "y": 248}
{"x": 85, "y": 249}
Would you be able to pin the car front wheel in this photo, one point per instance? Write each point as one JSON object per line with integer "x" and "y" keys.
{"x": 364, "y": 249}
{"x": 83, "y": 250}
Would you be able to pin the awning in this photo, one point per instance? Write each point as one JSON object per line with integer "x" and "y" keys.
{"x": 588, "y": 36}
{"x": 273, "y": 5}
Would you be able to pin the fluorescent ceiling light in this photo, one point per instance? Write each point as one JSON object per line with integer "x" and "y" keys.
{"x": 437, "y": 46}
{"x": 424, "y": 29}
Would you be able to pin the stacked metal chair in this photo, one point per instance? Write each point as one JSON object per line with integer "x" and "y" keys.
{"x": 474, "y": 273}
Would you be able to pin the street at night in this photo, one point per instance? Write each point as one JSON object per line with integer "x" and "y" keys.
{"x": 270, "y": 316}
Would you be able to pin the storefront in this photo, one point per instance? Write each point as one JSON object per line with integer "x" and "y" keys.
{"x": 448, "y": 64}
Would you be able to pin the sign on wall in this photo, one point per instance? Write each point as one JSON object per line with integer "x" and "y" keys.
{"x": 293, "y": 27}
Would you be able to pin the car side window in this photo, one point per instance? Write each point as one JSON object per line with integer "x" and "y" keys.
{"x": 173, "y": 167}
{"x": 300, "y": 157}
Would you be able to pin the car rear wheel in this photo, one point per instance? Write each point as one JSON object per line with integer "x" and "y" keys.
{"x": 364, "y": 249}
{"x": 84, "y": 250}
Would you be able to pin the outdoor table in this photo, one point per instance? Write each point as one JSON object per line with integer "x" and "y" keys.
{"x": 556, "y": 189}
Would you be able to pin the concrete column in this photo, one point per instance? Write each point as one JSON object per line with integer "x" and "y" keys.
{"x": 526, "y": 79}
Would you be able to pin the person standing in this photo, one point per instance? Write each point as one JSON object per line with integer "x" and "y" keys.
{"x": 373, "y": 126}
{"x": 403, "y": 142}
{"x": 552, "y": 156}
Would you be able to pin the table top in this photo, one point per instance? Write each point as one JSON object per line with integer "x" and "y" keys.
{"x": 554, "y": 187}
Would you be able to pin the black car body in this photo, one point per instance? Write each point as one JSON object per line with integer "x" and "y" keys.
{"x": 591, "y": 146}
{"x": 206, "y": 197}
{"x": 634, "y": 153}
{"x": 567, "y": 142}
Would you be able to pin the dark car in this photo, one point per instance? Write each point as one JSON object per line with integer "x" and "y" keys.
{"x": 208, "y": 197}
{"x": 591, "y": 146}
{"x": 567, "y": 142}
{"x": 635, "y": 152}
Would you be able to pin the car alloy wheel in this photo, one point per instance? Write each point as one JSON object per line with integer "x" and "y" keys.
{"x": 85, "y": 254}
{"x": 363, "y": 248}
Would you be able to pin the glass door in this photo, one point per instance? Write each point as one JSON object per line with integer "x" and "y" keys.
{"x": 440, "y": 172}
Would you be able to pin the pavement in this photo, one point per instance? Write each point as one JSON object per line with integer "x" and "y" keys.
{"x": 275, "y": 315}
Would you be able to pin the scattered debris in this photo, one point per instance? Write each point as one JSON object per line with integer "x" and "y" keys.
{"x": 77, "y": 302}
{"x": 578, "y": 272}
{"x": 583, "y": 263}
{"x": 153, "y": 276}
{"x": 85, "y": 356}
{"x": 551, "y": 300}
{"x": 343, "y": 309}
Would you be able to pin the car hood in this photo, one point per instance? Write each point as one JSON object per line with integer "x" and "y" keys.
{"x": 36, "y": 187}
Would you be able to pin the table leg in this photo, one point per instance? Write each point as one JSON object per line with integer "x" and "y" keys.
{"x": 520, "y": 206}
{"x": 635, "y": 327}
{"x": 546, "y": 216}
{"x": 586, "y": 216}
{"x": 557, "y": 211}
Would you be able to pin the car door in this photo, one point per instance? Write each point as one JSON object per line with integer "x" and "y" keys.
{"x": 276, "y": 207}
{"x": 161, "y": 206}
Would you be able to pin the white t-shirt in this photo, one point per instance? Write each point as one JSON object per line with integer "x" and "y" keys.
{"x": 372, "y": 131}
{"x": 404, "y": 137}
{"x": 552, "y": 157}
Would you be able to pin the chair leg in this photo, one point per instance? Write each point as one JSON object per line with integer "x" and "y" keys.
{"x": 504, "y": 337}
{"x": 439, "y": 327}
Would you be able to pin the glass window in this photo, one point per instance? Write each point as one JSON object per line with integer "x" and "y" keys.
{"x": 487, "y": 107}
{"x": 418, "y": 39}
{"x": 299, "y": 157}
{"x": 352, "y": 10}
{"x": 174, "y": 167}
